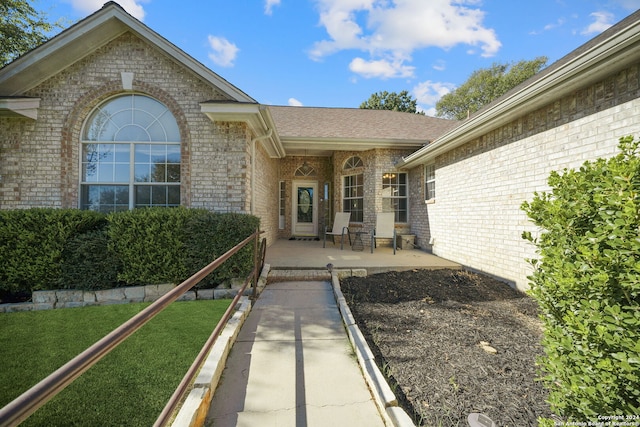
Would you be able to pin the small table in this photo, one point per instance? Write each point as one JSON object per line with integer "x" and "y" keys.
{"x": 357, "y": 244}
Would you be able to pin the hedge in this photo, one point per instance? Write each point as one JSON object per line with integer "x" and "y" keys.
{"x": 68, "y": 248}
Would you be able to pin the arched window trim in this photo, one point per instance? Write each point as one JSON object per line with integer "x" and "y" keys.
{"x": 137, "y": 160}
{"x": 353, "y": 162}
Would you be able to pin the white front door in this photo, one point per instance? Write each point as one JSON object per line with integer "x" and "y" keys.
{"x": 305, "y": 208}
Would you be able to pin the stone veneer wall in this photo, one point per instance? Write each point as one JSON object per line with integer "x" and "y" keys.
{"x": 476, "y": 219}
{"x": 39, "y": 160}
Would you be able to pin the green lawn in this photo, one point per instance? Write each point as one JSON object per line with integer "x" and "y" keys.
{"x": 130, "y": 386}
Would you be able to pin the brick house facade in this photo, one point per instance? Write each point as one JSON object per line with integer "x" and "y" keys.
{"x": 237, "y": 155}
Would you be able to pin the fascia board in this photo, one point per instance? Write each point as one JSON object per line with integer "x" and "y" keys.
{"x": 613, "y": 53}
{"x": 349, "y": 144}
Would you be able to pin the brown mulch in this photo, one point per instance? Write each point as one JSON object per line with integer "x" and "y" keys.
{"x": 425, "y": 329}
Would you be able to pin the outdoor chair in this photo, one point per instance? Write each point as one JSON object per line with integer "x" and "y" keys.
{"x": 340, "y": 228}
{"x": 385, "y": 229}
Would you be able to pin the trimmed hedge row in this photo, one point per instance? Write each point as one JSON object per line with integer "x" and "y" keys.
{"x": 44, "y": 249}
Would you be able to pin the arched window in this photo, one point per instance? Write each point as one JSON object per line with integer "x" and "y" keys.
{"x": 130, "y": 156}
{"x": 353, "y": 162}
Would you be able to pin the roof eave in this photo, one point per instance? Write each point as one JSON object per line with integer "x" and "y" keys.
{"x": 256, "y": 116}
{"x": 20, "y": 107}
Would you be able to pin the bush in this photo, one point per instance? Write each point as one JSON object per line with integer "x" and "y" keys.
{"x": 149, "y": 244}
{"x": 587, "y": 282}
{"x": 32, "y": 242}
{"x": 88, "y": 264}
{"x": 209, "y": 235}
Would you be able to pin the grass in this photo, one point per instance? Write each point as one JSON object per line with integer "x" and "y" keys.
{"x": 130, "y": 386}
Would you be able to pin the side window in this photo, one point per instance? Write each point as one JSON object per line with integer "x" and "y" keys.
{"x": 429, "y": 182}
{"x": 130, "y": 156}
{"x": 353, "y": 189}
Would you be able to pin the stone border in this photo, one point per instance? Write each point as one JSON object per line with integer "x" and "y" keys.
{"x": 69, "y": 298}
{"x": 194, "y": 409}
{"x": 383, "y": 395}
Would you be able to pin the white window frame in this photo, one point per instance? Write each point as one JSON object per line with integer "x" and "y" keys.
{"x": 430, "y": 183}
{"x": 396, "y": 189}
{"x": 348, "y": 196}
{"x": 159, "y": 116}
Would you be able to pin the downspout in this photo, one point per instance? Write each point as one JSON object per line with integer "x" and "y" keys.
{"x": 254, "y": 141}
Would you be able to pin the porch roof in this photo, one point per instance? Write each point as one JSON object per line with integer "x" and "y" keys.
{"x": 319, "y": 130}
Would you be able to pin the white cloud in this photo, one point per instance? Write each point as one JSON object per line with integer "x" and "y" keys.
{"x": 602, "y": 21}
{"x": 223, "y": 52}
{"x": 429, "y": 93}
{"x": 133, "y": 7}
{"x": 382, "y": 68}
{"x": 392, "y": 30}
{"x": 439, "y": 65}
{"x": 294, "y": 103}
{"x": 269, "y": 5}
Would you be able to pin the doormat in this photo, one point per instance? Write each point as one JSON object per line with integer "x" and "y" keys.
{"x": 307, "y": 239}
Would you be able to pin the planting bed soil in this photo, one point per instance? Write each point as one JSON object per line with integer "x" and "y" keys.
{"x": 451, "y": 343}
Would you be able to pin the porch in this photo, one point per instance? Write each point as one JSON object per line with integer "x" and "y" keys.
{"x": 309, "y": 254}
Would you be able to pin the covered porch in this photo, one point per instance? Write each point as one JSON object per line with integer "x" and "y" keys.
{"x": 309, "y": 254}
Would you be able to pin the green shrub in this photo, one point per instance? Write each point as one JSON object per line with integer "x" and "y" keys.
{"x": 88, "y": 264}
{"x": 149, "y": 244}
{"x": 209, "y": 235}
{"x": 32, "y": 241}
{"x": 587, "y": 281}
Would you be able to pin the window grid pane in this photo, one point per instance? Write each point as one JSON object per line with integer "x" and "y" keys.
{"x": 429, "y": 182}
{"x": 394, "y": 195}
{"x": 353, "y": 200}
{"x": 112, "y": 153}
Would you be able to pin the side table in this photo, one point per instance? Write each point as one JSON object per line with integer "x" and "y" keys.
{"x": 357, "y": 244}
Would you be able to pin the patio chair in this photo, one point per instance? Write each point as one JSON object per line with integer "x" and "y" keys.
{"x": 385, "y": 229}
{"x": 340, "y": 228}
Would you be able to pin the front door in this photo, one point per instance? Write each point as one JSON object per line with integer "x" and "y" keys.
{"x": 305, "y": 208}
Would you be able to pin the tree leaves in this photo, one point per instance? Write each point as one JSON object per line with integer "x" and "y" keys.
{"x": 485, "y": 85}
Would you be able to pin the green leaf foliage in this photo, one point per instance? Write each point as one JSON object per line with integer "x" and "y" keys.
{"x": 587, "y": 281}
{"x": 485, "y": 85}
{"x": 73, "y": 249}
{"x": 22, "y": 28}
{"x": 32, "y": 242}
{"x": 209, "y": 235}
{"x": 391, "y": 101}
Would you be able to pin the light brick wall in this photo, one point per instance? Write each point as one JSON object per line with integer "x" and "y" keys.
{"x": 266, "y": 193}
{"x": 39, "y": 160}
{"x": 476, "y": 219}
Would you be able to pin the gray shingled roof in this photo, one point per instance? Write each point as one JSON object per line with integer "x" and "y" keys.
{"x": 356, "y": 124}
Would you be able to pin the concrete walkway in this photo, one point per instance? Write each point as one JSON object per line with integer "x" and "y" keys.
{"x": 293, "y": 365}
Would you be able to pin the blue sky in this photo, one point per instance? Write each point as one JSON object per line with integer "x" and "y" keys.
{"x": 336, "y": 53}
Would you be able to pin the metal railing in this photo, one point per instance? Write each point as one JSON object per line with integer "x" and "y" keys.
{"x": 28, "y": 402}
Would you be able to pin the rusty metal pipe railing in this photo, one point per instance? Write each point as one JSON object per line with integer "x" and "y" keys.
{"x": 28, "y": 402}
{"x": 183, "y": 387}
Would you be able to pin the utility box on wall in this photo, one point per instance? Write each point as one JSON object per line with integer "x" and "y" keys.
{"x": 406, "y": 241}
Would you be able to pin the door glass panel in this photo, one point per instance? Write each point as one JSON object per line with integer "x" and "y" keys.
{"x": 305, "y": 204}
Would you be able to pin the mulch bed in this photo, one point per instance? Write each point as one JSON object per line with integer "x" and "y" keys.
{"x": 425, "y": 328}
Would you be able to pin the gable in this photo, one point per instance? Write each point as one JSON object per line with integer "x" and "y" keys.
{"x": 90, "y": 34}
